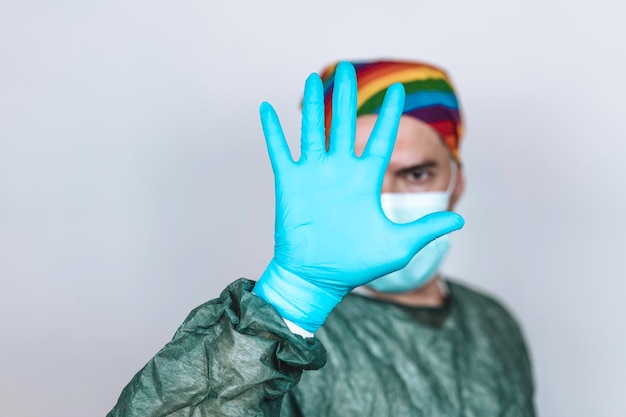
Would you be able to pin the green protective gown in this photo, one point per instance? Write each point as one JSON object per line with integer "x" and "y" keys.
{"x": 234, "y": 356}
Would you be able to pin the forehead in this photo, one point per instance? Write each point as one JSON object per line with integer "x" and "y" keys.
{"x": 416, "y": 141}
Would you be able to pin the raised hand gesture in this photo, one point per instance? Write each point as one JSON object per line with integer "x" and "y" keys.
{"x": 331, "y": 234}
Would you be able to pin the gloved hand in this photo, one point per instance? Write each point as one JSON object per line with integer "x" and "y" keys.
{"x": 331, "y": 234}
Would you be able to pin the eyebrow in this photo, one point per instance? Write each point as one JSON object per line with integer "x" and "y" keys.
{"x": 426, "y": 164}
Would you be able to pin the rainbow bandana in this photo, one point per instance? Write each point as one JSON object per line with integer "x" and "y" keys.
{"x": 430, "y": 96}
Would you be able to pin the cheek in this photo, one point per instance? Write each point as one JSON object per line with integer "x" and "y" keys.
{"x": 389, "y": 184}
{"x": 407, "y": 186}
{"x": 437, "y": 179}
{"x": 393, "y": 183}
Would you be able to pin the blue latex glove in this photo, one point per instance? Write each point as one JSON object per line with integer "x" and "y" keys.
{"x": 331, "y": 234}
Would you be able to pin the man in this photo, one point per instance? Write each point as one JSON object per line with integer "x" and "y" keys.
{"x": 361, "y": 267}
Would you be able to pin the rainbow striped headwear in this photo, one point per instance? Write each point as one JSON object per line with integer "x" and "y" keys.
{"x": 430, "y": 96}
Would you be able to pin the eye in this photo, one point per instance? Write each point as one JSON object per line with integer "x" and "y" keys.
{"x": 417, "y": 175}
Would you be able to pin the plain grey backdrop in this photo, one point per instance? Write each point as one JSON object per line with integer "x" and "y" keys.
{"x": 134, "y": 180}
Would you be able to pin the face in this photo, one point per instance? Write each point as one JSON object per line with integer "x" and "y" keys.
{"x": 419, "y": 161}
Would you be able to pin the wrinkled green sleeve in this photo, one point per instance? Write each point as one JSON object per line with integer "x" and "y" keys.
{"x": 232, "y": 356}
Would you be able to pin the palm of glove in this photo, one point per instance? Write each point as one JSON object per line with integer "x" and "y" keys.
{"x": 330, "y": 229}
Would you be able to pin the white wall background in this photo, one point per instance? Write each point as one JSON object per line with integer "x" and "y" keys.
{"x": 134, "y": 183}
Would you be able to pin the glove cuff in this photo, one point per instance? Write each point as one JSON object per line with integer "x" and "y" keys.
{"x": 296, "y": 299}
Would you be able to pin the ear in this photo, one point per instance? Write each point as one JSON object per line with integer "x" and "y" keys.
{"x": 458, "y": 190}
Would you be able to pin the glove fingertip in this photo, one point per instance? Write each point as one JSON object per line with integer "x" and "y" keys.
{"x": 432, "y": 226}
{"x": 446, "y": 221}
{"x": 265, "y": 109}
{"x": 457, "y": 221}
{"x": 313, "y": 80}
{"x": 397, "y": 90}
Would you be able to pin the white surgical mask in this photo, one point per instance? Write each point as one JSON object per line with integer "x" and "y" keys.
{"x": 405, "y": 208}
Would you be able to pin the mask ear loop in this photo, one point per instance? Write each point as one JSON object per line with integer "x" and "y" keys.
{"x": 454, "y": 170}
{"x": 442, "y": 285}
